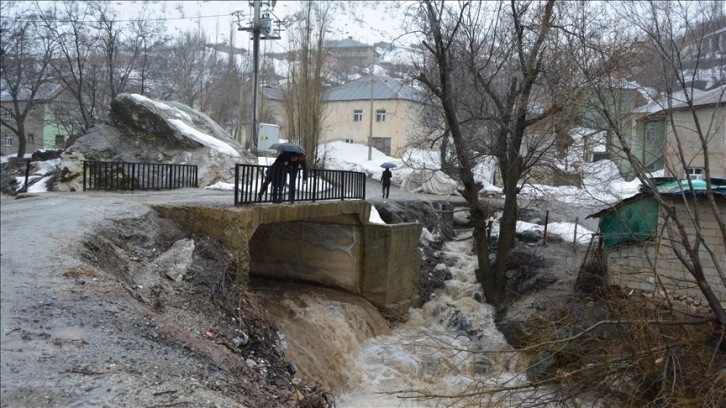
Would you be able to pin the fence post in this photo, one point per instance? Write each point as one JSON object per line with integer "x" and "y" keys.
{"x": 236, "y": 183}
{"x": 574, "y": 239}
{"x": 544, "y": 237}
{"x": 314, "y": 180}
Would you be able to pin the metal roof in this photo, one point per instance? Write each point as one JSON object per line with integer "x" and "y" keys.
{"x": 670, "y": 188}
{"x": 384, "y": 88}
{"x": 45, "y": 92}
{"x": 679, "y": 101}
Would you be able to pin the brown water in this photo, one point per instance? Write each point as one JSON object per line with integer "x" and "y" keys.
{"x": 450, "y": 346}
{"x": 323, "y": 329}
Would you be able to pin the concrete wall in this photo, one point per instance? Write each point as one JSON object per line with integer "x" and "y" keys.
{"x": 653, "y": 266}
{"x": 329, "y": 243}
{"x": 329, "y": 254}
{"x": 392, "y": 265}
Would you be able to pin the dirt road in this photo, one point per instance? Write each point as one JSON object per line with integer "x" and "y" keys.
{"x": 72, "y": 336}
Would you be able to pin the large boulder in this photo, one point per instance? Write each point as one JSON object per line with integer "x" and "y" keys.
{"x": 143, "y": 130}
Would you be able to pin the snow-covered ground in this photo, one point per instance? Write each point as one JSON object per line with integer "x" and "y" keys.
{"x": 602, "y": 184}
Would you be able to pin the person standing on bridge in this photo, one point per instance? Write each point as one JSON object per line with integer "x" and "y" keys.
{"x": 297, "y": 163}
{"x": 285, "y": 163}
{"x": 276, "y": 175}
{"x": 386, "y": 180}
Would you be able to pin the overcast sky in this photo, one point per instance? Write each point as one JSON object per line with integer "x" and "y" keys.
{"x": 364, "y": 21}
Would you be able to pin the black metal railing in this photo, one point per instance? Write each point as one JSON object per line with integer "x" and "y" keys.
{"x": 110, "y": 176}
{"x": 321, "y": 185}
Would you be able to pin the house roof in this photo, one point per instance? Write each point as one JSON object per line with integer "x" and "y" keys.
{"x": 349, "y": 43}
{"x": 384, "y": 88}
{"x": 679, "y": 101}
{"x": 45, "y": 92}
{"x": 669, "y": 187}
{"x": 714, "y": 96}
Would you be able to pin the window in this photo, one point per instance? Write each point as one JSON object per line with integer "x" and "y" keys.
{"x": 60, "y": 140}
{"x": 8, "y": 115}
{"x": 32, "y": 109}
{"x": 650, "y": 133}
{"x": 357, "y": 115}
{"x": 31, "y": 138}
{"x": 381, "y": 115}
{"x": 7, "y": 140}
{"x": 695, "y": 173}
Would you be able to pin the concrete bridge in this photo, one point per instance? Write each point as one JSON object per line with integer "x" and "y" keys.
{"x": 329, "y": 243}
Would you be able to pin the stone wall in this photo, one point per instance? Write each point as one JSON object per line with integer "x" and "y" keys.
{"x": 653, "y": 266}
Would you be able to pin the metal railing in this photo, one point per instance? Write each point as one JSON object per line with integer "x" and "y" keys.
{"x": 111, "y": 176}
{"x": 321, "y": 185}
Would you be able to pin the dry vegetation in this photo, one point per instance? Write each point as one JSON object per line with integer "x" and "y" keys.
{"x": 629, "y": 351}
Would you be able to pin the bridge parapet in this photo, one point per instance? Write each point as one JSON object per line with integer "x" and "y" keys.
{"x": 252, "y": 185}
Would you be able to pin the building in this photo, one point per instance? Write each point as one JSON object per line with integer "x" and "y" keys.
{"x": 353, "y": 54}
{"x": 639, "y": 243}
{"x": 657, "y": 131}
{"x": 381, "y": 108}
{"x": 709, "y": 108}
{"x": 42, "y": 130}
{"x": 644, "y": 134}
{"x": 34, "y": 125}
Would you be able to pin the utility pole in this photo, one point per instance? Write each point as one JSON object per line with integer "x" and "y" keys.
{"x": 261, "y": 29}
{"x": 370, "y": 125}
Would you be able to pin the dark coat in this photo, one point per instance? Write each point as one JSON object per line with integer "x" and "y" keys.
{"x": 284, "y": 164}
{"x": 386, "y": 177}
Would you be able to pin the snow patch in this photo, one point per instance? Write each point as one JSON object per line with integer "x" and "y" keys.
{"x": 203, "y": 138}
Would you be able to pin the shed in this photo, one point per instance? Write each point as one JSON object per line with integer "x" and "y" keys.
{"x": 640, "y": 242}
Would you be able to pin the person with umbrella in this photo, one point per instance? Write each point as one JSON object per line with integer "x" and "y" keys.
{"x": 290, "y": 160}
{"x": 386, "y": 178}
{"x": 297, "y": 163}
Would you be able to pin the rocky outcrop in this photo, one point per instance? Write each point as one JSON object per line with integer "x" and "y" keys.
{"x": 143, "y": 130}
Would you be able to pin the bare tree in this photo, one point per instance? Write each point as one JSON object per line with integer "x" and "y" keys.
{"x": 77, "y": 65}
{"x": 151, "y": 41}
{"x": 189, "y": 68}
{"x": 125, "y": 45}
{"x": 27, "y": 52}
{"x": 304, "y": 92}
{"x": 501, "y": 57}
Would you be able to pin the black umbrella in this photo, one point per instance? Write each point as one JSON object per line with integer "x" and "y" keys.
{"x": 288, "y": 147}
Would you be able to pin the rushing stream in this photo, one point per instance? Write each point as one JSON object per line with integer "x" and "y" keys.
{"x": 342, "y": 341}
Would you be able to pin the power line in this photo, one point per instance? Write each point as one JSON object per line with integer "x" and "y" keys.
{"x": 129, "y": 20}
